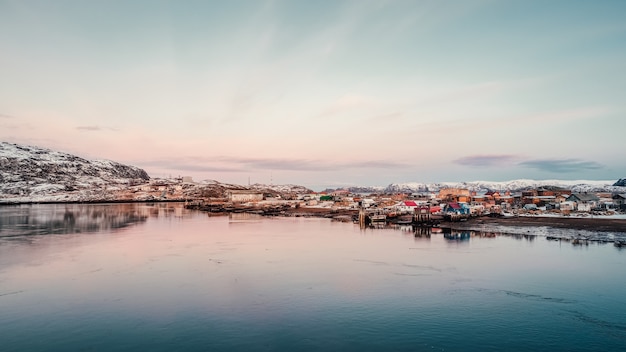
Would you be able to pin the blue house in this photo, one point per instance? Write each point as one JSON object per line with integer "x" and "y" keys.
{"x": 456, "y": 208}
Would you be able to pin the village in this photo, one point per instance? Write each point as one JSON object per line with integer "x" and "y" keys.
{"x": 446, "y": 204}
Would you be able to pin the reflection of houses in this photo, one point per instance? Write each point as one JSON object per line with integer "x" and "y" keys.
{"x": 584, "y": 201}
{"x": 244, "y": 195}
{"x": 456, "y": 235}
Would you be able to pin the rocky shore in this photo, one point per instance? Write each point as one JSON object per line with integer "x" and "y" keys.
{"x": 588, "y": 223}
{"x": 574, "y": 223}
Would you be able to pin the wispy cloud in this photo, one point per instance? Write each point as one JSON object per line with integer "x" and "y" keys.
{"x": 309, "y": 164}
{"x": 95, "y": 128}
{"x": 561, "y": 165}
{"x": 567, "y": 115}
{"x": 487, "y": 160}
{"x": 234, "y": 164}
{"x": 347, "y": 103}
{"x": 388, "y": 117}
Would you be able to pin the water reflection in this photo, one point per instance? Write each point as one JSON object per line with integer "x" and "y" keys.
{"x": 452, "y": 235}
{"x": 465, "y": 235}
{"x": 187, "y": 281}
{"x": 244, "y": 217}
{"x": 42, "y": 219}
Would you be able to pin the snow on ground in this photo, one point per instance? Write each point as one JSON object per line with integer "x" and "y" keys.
{"x": 573, "y": 215}
{"x": 513, "y": 185}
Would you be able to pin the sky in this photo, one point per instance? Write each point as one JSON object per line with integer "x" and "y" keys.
{"x": 322, "y": 93}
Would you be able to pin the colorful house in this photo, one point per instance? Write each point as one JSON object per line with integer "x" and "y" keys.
{"x": 407, "y": 206}
{"x": 456, "y": 208}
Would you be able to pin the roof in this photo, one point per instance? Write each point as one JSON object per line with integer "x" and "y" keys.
{"x": 410, "y": 203}
{"x": 454, "y": 205}
{"x": 244, "y": 191}
{"x": 621, "y": 195}
{"x": 584, "y": 197}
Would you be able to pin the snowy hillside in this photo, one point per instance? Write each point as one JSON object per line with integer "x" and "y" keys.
{"x": 27, "y": 171}
{"x": 288, "y": 188}
{"x": 620, "y": 183}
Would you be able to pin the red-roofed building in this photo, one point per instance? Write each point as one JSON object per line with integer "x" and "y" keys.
{"x": 457, "y": 208}
{"x": 407, "y": 206}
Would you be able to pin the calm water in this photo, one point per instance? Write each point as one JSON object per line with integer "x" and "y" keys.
{"x": 160, "y": 278}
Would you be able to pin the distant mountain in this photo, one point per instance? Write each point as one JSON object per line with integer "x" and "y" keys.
{"x": 28, "y": 171}
{"x": 33, "y": 174}
{"x": 514, "y": 185}
{"x": 371, "y": 189}
{"x": 620, "y": 183}
{"x": 288, "y": 188}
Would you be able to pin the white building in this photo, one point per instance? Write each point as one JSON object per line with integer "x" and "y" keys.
{"x": 244, "y": 195}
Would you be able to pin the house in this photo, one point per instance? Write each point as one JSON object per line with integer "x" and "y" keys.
{"x": 435, "y": 209}
{"x": 454, "y": 195}
{"x": 530, "y": 206}
{"x": 567, "y": 206}
{"x": 244, "y": 195}
{"x": 584, "y": 201}
{"x": 561, "y": 198}
{"x": 340, "y": 193}
{"x": 620, "y": 201}
{"x": 422, "y": 214}
{"x": 407, "y": 206}
{"x": 456, "y": 208}
{"x": 493, "y": 194}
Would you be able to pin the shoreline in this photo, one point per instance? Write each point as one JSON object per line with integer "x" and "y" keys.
{"x": 587, "y": 224}
{"x": 592, "y": 224}
{"x": 112, "y": 201}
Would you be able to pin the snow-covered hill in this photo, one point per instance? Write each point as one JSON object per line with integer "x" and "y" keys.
{"x": 620, "y": 183}
{"x": 33, "y": 174}
{"x": 288, "y": 188}
{"x": 514, "y": 185}
{"x": 27, "y": 171}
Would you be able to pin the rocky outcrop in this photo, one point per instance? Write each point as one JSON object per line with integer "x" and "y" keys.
{"x": 620, "y": 183}
{"x": 27, "y": 171}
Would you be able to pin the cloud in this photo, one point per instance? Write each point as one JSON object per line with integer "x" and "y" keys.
{"x": 486, "y": 160}
{"x": 388, "y": 117}
{"x": 6, "y": 116}
{"x": 561, "y": 165}
{"x": 377, "y": 164}
{"x": 348, "y": 102}
{"x": 568, "y": 115}
{"x": 95, "y": 128}
{"x": 315, "y": 165}
{"x": 236, "y": 164}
